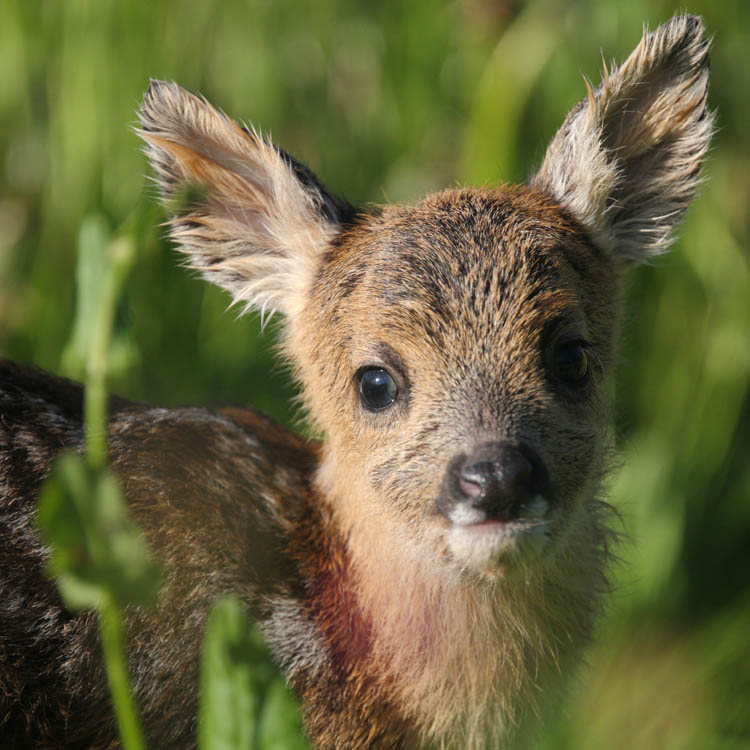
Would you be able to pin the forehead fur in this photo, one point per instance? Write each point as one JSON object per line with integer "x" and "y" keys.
{"x": 461, "y": 259}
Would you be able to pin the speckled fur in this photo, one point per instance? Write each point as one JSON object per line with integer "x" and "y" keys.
{"x": 394, "y": 631}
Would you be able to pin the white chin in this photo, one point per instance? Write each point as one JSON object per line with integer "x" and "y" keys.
{"x": 492, "y": 545}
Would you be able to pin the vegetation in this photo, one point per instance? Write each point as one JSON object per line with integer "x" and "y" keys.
{"x": 387, "y": 101}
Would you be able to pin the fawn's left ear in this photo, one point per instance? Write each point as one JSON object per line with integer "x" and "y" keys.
{"x": 626, "y": 161}
{"x": 258, "y": 221}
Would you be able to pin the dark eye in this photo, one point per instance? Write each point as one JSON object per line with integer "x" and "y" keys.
{"x": 377, "y": 389}
{"x": 571, "y": 365}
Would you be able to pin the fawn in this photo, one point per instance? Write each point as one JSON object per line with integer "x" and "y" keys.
{"x": 428, "y": 573}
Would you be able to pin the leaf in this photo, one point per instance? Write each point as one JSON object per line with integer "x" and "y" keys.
{"x": 97, "y": 261}
{"x": 245, "y": 704}
{"x": 279, "y": 725}
{"x": 229, "y": 688}
{"x": 97, "y": 549}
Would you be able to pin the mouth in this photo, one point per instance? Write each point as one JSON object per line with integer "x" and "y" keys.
{"x": 482, "y": 542}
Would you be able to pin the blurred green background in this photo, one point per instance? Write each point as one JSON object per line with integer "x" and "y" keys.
{"x": 387, "y": 101}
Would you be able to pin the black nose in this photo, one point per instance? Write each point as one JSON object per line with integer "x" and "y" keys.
{"x": 497, "y": 479}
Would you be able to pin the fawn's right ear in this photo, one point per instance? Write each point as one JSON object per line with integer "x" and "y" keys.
{"x": 258, "y": 220}
{"x": 626, "y": 160}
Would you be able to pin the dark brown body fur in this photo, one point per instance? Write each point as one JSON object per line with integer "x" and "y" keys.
{"x": 194, "y": 481}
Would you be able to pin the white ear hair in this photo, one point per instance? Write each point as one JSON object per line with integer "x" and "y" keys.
{"x": 259, "y": 220}
{"x": 626, "y": 160}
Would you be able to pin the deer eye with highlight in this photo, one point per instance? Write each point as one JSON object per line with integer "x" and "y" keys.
{"x": 377, "y": 389}
{"x": 570, "y": 364}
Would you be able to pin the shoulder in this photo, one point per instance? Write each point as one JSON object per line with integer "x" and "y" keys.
{"x": 228, "y": 452}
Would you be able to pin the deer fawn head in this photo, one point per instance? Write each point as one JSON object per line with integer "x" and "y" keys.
{"x": 455, "y": 352}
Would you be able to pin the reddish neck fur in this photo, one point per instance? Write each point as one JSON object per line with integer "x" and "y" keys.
{"x": 459, "y": 656}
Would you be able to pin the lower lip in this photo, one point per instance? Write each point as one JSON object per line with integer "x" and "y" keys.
{"x": 492, "y": 528}
{"x": 487, "y": 528}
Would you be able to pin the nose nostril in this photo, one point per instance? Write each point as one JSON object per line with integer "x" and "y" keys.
{"x": 499, "y": 483}
{"x": 496, "y": 482}
{"x": 469, "y": 486}
{"x": 474, "y": 479}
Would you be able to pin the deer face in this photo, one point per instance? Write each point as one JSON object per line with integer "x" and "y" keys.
{"x": 456, "y": 354}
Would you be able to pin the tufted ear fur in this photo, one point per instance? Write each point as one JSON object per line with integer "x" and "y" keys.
{"x": 626, "y": 160}
{"x": 258, "y": 219}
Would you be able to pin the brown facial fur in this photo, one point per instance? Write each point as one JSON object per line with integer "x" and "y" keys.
{"x": 459, "y": 292}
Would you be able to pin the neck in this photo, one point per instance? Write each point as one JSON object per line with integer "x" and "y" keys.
{"x": 462, "y": 656}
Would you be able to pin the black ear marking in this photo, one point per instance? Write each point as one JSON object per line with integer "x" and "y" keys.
{"x": 335, "y": 209}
